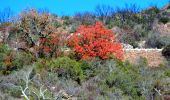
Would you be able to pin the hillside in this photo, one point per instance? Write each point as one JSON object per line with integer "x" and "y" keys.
{"x": 121, "y": 54}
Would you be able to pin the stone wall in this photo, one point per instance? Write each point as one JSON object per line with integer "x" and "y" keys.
{"x": 153, "y": 56}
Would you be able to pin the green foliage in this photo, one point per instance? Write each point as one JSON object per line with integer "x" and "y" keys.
{"x": 93, "y": 67}
{"x": 67, "y": 67}
{"x": 73, "y": 29}
{"x": 22, "y": 59}
{"x": 13, "y": 60}
{"x": 164, "y": 20}
{"x": 4, "y": 51}
{"x": 57, "y": 24}
{"x": 64, "y": 67}
{"x": 166, "y": 51}
{"x": 152, "y": 10}
{"x": 125, "y": 79}
{"x": 10, "y": 91}
{"x": 156, "y": 41}
{"x": 167, "y": 73}
{"x": 67, "y": 20}
{"x": 105, "y": 79}
{"x": 136, "y": 81}
{"x": 126, "y": 19}
{"x": 15, "y": 92}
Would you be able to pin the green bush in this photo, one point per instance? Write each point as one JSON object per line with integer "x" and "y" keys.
{"x": 68, "y": 68}
{"x": 125, "y": 79}
{"x": 57, "y": 24}
{"x": 22, "y": 59}
{"x": 13, "y": 60}
{"x": 4, "y": 52}
{"x": 164, "y": 20}
{"x": 135, "y": 81}
{"x": 166, "y": 51}
{"x": 156, "y": 41}
{"x": 64, "y": 67}
{"x": 73, "y": 28}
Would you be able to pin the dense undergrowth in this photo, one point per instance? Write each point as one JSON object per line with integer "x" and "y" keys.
{"x": 94, "y": 79}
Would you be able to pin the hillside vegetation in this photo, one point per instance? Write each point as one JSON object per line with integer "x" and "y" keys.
{"x": 83, "y": 57}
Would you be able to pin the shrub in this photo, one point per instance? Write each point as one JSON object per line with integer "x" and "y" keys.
{"x": 131, "y": 36}
{"x": 73, "y": 28}
{"x": 57, "y": 24}
{"x": 136, "y": 81}
{"x": 39, "y": 32}
{"x": 95, "y": 41}
{"x": 68, "y": 68}
{"x": 153, "y": 10}
{"x": 11, "y": 60}
{"x": 156, "y": 41}
{"x": 164, "y": 20}
{"x": 166, "y": 51}
{"x": 32, "y": 25}
{"x": 52, "y": 45}
{"x": 5, "y": 60}
{"x": 21, "y": 59}
{"x": 86, "y": 18}
{"x": 66, "y": 20}
{"x": 63, "y": 66}
{"x": 124, "y": 78}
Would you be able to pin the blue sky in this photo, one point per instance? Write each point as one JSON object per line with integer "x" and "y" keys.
{"x": 69, "y": 7}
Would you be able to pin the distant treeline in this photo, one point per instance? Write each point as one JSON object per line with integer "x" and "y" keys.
{"x": 104, "y": 11}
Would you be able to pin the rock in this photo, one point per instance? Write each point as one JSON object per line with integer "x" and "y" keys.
{"x": 66, "y": 96}
{"x": 141, "y": 44}
{"x": 127, "y": 46}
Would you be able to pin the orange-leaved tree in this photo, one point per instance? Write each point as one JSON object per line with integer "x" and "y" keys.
{"x": 91, "y": 41}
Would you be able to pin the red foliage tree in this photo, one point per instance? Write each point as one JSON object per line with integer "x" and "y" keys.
{"x": 95, "y": 41}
